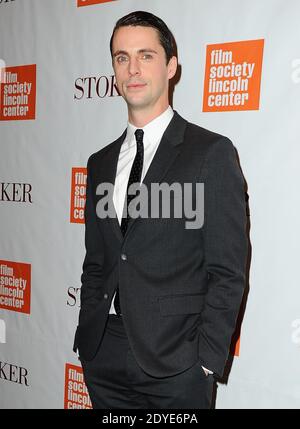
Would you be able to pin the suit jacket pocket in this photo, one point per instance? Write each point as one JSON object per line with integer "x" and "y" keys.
{"x": 181, "y": 304}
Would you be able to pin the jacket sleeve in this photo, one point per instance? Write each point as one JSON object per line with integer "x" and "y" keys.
{"x": 225, "y": 247}
{"x": 92, "y": 268}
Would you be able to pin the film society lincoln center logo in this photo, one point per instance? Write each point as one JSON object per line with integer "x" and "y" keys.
{"x": 233, "y": 76}
{"x": 76, "y": 394}
{"x": 90, "y": 2}
{"x": 15, "y": 286}
{"x": 17, "y": 92}
{"x": 78, "y": 194}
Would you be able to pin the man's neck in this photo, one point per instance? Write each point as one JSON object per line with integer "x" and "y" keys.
{"x": 140, "y": 118}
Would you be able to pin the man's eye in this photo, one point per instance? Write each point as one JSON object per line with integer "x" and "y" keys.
{"x": 146, "y": 56}
{"x": 121, "y": 59}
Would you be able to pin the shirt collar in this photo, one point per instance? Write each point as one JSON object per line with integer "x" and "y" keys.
{"x": 153, "y": 131}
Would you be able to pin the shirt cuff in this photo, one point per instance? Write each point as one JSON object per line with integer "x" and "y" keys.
{"x": 208, "y": 370}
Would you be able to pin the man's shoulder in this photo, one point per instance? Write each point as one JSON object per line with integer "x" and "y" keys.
{"x": 204, "y": 143}
{"x": 103, "y": 152}
{"x": 197, "y": 132}
{"x": 215, "y": 149}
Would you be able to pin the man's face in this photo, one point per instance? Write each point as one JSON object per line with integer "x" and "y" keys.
{"x": 139, "y": 62}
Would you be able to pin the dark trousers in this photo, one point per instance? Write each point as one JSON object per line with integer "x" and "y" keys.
{"x": 115, "y": 380}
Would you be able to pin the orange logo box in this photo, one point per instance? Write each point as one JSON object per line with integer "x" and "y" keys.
{"x": 78, "y": 194}
{"x": 237, "y": 347}
{"x": 232, "y": 76}
{"x": 76, "y": 394}
{"x": 18, "y": 93}
{"x": 15, "y": 286}
{"x": 90, "y": 2}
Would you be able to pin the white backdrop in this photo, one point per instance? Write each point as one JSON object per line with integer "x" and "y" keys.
{"x": 63, "y": 51}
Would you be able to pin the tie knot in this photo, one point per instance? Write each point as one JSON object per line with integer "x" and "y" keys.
{"x": 139, "y": 133}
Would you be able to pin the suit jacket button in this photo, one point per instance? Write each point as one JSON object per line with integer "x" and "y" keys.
{"x": 124, "y": 257}
{"x": 105, "y": 296}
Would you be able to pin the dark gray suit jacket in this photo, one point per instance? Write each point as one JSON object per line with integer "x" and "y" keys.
{"x": 180, "y": 289}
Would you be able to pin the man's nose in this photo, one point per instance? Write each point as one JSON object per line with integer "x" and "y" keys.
{"x": 134, "y": 67}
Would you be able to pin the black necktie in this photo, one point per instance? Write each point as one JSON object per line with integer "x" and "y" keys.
{"x": 134, "y": 177}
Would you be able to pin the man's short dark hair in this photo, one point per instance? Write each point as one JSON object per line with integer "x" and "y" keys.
{"x": 147, "y": 19}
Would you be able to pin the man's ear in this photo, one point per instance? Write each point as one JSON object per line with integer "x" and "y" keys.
{"x": 172, "y": 67}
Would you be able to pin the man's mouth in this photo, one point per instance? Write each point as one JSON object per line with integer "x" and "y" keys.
{"x": 135, "y": 85}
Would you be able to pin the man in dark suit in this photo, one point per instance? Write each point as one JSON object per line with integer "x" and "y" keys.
{"x": 159, "y": 297}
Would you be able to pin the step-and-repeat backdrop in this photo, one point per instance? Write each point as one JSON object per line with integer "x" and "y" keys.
{"x": 240, "y": 76}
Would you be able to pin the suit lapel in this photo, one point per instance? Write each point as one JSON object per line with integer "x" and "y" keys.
{"x": 164, "y": 157}
{"x": 107, "y": 174}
